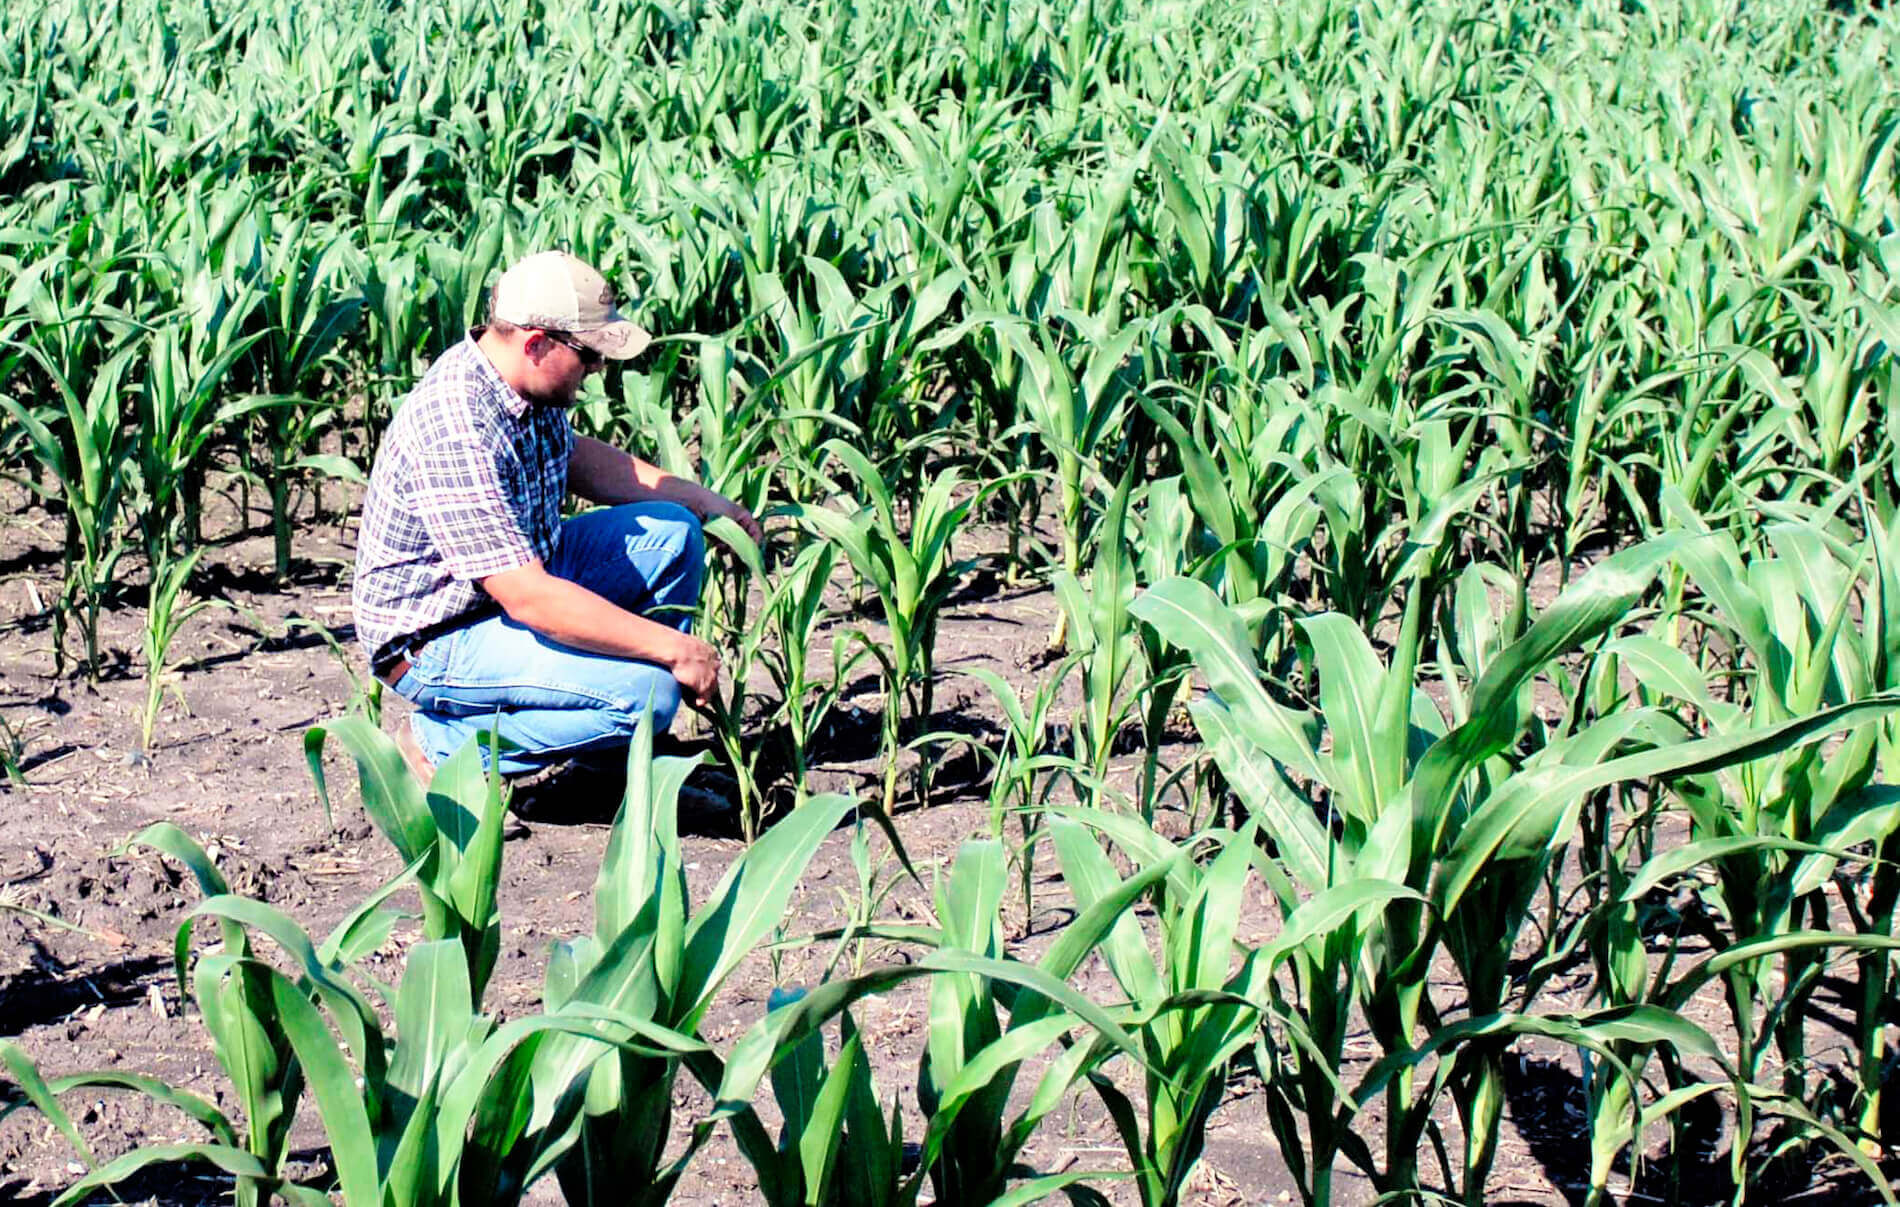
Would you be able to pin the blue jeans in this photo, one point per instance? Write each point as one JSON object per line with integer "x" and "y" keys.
{"x": 551, "y": 700}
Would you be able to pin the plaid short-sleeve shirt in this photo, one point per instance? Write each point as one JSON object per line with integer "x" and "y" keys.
{"x": 469, "y": 482}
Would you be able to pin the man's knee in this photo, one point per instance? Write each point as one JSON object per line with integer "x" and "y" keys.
{"x": 661, "y": 699}
{"x": 668, "y": 529}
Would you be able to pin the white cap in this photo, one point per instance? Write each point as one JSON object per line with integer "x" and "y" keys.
{"x": 554, "y": 291}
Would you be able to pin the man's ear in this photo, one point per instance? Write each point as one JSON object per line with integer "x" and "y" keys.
{"x": 535, "y": 344}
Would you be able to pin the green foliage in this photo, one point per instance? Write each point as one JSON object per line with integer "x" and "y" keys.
{"x": 835, "y": 1146}
{"x": 654, "y": 960}
{"x": 1298, "y": 348}
{"x": 912, "y": 571}
{"x": 166, "y": 612}
{"x": 448, "y": 830}
{"x": 1465, "y": 815}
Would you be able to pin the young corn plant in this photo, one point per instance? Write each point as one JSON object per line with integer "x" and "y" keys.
{"x": 794, "y": 611}
{"x": 746, "y": 641}
{"x": 432, "y": 1114}
{"x": 166, "y": 612}
{"x": 249, "y": 1039}
{"x": 913, "y": 574}
{"x": 1244, "y": 474}
{"x": 85, "y": 458}
{"x": 973, "y": 1052}
{"x": 1028, "y": 769}
{"x": 181, "y": 409}
{"x": 313, "y": 299}
{"x": 1126, "y": 672}
{"x": 1776, "y": 833}
{"x": 1166, "y": 547}
{"x": 654, "y": 960}
{"x": 12, "y": 756}
{"x": 1104, "y": 638}
{"x": 418, "y": 1117}
{"x": 1079, "y": 417}
{"x": 733, "y": 430}
{"x": 1466, "y": 813}
{"x": 456, "y": 1107}
{"x": 1189, "y": 999}
{"x": 875, "y": 379}
{"x": 449, "y": 830}
{"x": 966, "y": 1078}
{"x": 835, "y": 1147}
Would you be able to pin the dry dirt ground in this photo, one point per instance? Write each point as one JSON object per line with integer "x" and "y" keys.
{"x": 228, "y": 766}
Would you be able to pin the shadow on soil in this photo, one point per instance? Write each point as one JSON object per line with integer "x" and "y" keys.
{"x": 49, "y": 993}
{"x": 1547, "y": 1103}
{"x": 168, "y": 1184}
{"x": 219, "y": 578}
{"x": 587, "y": 790}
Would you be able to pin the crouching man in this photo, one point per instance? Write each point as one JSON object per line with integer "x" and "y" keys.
{"x": 475, "y": 600}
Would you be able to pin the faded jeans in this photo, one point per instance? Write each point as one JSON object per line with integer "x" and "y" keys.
{"x": 551, "y": 700}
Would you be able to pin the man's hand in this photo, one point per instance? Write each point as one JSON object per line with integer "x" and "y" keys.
{"x": 696, "y": 666}
{"x": 720, "y": 505}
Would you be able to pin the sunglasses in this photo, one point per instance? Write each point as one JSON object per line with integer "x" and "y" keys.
{"x": 590, "y": 357}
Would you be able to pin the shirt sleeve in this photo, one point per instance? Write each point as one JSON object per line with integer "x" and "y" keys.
{"x": 463, "y": 499}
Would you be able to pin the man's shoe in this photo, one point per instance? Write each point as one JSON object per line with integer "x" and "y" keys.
{"x": 512, "y": 827}
{"x": 419, "y": 764}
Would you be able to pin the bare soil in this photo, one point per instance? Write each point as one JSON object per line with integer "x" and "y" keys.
{"x": 228, "y": 766}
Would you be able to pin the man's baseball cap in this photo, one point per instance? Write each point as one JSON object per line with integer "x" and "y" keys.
{"x": 554, "y": 291}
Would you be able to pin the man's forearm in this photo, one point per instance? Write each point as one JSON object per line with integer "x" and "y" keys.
{"x": 601, "y": 473}
{"x": 572, "y": 615}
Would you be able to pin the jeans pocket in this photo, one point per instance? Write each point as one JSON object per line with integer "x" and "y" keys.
{"x": 431, "y": 663}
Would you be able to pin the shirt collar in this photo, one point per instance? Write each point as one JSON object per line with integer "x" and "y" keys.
{"x": 485, "y": 371}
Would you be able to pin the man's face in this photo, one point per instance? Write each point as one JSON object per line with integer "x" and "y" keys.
{"x": 556, "y": 367}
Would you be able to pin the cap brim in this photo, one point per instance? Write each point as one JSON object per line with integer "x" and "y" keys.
{"x": 620, "y": 340}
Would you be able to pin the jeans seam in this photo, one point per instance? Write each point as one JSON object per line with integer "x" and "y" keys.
{"x": 616, "y": 702}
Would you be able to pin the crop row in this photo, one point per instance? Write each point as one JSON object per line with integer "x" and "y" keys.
{"x": 1287, "y": 343}
{"x": 1399, "y": 830}
{"x": 1403, "y": 276}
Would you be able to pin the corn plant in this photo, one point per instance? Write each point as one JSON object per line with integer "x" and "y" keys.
{"x": 449, "y": 830}
{"x": 975, "y": 1054}
{"x": 165, "y": 615}
{"x": 873, "y": 363}
{"x": 314, "y": 303}
{"x": 1244, "y": 472}
{"x": 85, "y": 460}
{"x": 421, "y": 1116}
{"x": 1075, "y": 415}
{"x": 1188, "y": 1000}
{"x": 732, "y": 430}
{"x": 835, "y": 1146}
{"x": 1774, "y": 833}
{"x": 1029, "y": 769}
{"x": 1402, "y": 788}
{"x": 968, "y": 1069}
{"x": 180, "y": 412}
{"x": 794, "y": 611}
{"x": 746, "y": 643}
{"x": 912, "y": 574}
{"x": 12, "y": 752}
{"x": 653, "y": 960}
{"x": 245, "y": 1021}
{"x": 1103, "y": 636}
